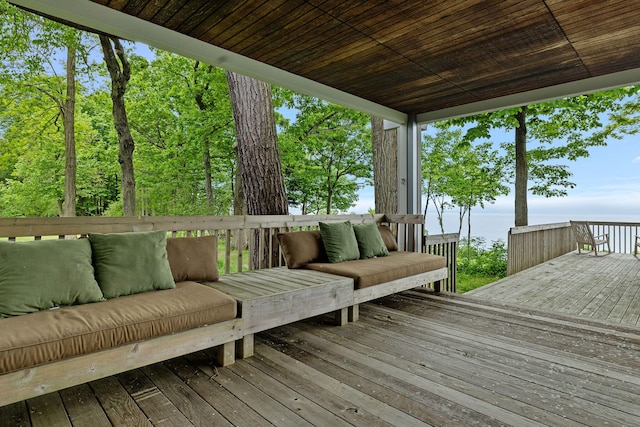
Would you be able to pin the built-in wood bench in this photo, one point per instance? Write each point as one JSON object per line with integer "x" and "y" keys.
{"x": 277, "y": 296}
{"x": 269, "y": 294}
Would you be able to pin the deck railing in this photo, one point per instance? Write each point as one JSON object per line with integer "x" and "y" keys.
{"x": 622, "y": 235}
{"x": 240, "y": 238}
{"x": 533, "y": 245}
{"x": 447, "y": 246}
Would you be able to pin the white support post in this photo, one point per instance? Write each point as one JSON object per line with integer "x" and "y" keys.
{"x": 414, "y": 166}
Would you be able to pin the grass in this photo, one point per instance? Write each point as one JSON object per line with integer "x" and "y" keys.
{"x": 31, "y": 239}
{"x": 469, "y": 282}
{"x": 233, "y": 259}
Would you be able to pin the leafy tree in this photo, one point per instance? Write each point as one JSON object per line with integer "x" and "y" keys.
{"x": 211, "y": 95}
{"x": 463, "y": 175}
{"x": 35, "y": 158}
{"x": 563, "y": 129}
{"x": 477, "y": 178}
{"x": 624, "y": 121}
{"x": 28, "y": 44}
{"x": 327, "y": 155}
{"x": 185, "y": 160}
{"x": 99, "y": 191}
{"x": 436, "y": 164}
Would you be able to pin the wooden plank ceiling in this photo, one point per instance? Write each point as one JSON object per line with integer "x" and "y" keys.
{"x": 415, "y": 56}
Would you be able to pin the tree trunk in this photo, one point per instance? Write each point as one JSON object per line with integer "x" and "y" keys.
{"x": 120, "y": 72}
{"x": 258, "y": 156}
{"x": 239, "y": 202}
{"x": 239, "y": 206}
{"x": 521, "y": 209}
{"x": 329, "y": 197}
{"x": 469, "y": 225}
{"x": 385, "y": 167}
{"x": 68, "y": 119}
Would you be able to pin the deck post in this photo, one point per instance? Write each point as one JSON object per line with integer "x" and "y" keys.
{"x": 245, "y": 346}
{"x": 226, "y": 354}
{"x": 409, "y": 165}
{"x": 341, "y": 316}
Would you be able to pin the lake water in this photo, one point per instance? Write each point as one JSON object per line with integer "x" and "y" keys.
{"x": 494, "y": 226}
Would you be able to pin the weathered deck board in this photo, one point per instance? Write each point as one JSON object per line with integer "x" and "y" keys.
{"x": 413, "y": 359}
{"x": 229, "y": 406}
{"x": 604, "y": 287}
{"x": 83, "y": 407}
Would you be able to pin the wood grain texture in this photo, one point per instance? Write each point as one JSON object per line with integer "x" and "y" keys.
{"x": 399, "y": 285}
{"x": 43, "y": 379}
{"x": 414, "y": 358}
{"x": 416, "y": 56}
{"x": 273, "y": 297}
{"x": 603, "y": 287}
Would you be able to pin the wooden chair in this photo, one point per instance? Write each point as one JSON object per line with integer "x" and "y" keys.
{"x": 584, "y": 236}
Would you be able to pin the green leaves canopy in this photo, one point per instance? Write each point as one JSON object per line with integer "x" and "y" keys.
{"x": 326, "y": 155}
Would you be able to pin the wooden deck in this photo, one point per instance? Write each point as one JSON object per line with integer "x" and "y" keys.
{"x": 603, "y": 287}
{"x": 413, "y": 359}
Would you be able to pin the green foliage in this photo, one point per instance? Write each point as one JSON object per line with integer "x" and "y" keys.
{"x": 469, "y": 282}
{"x": 475, "y": 259}
{"x": 174, "y": 133}
{"x": 326, "y": 155}
{"x": 625, "y": 120}
{"x": 456, "y": 173}
{"x": 478, "y": 265}
{"x": 190, "y": 121}
{"x": 557, "y": 131}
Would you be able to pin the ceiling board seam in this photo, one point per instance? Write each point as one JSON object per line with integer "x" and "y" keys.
{"x": 328, "y": 12}
{"x": 567, "y": 38}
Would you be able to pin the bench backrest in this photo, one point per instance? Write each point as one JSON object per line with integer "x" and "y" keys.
{"x": 240, "y": 237}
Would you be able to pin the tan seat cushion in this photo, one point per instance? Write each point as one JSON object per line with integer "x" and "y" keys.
{"x": 45, "y": 336}
{"x": 370, "y": 272}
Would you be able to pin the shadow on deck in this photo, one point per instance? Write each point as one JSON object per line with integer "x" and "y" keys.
{"x": 603, "y": 287}
{"x": 413, "y": 359}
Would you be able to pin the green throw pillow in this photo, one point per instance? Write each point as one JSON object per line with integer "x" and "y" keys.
{"x": 370, "y": 241}
{"x": 131, "y": 263}
{"x": 339, "y": 241}
{"x": 42, "y": 274}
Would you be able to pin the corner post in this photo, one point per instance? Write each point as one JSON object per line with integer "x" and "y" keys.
{"x": 410, "y": 173}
